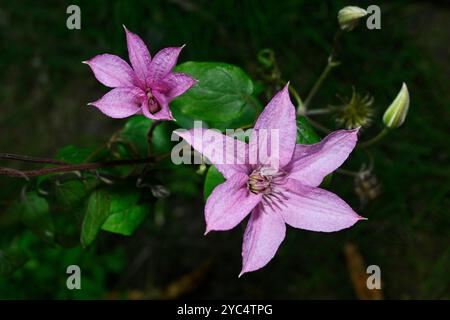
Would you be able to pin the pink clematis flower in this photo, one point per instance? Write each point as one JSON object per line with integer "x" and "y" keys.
{"x": 145, "y": 88}
{"x": 276, "y": 195}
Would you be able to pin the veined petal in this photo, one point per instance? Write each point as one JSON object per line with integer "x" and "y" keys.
{"x": 112, "y": 71}
{"x": 139, "y": 56}
{"x": 120, "y": 102}
{"x": 316, "y": 209}
{"x": 264, "y": 233}
{"x": 229, "y": 155}
{"x": 162, "y": 63}
{"x": 311, "y": 163}
{"x": 164, "y": 112}
{"x": 277, "y": 123}
{"x": 229, "y": 203}
{"x": 174, "y": 84}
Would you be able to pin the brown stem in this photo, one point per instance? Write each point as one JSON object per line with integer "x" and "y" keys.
{"x": 18, "y": 157}
{"x": 77, "y": 167}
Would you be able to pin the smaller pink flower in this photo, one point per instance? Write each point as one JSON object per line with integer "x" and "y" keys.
{"x": 145, "y": 88}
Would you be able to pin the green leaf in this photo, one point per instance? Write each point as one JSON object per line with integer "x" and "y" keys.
{"x": 125, "y": 213}
{"x": 222, "y": 96}
{"x": 34, "y": 213}
{"x": 305, "y": 132}
{"x": 96, "y": 214}
{"x": 212, "y": 180}
{"x": 72, "y": 154}
{"x": 71, "y": 193}
{"x": 136, "y": 130}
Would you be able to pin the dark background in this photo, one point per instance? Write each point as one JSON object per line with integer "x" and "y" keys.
{"x": 44, "y": 89}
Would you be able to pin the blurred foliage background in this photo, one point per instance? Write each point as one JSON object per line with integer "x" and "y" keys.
{"x": 43, "y": 94}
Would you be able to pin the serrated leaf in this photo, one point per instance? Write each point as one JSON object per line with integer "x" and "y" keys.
{"x": 223, "y": 96}
{"x": 125, "y": 213}
{"x": 96, "y": 214}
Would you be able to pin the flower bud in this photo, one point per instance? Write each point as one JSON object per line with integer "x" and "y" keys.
{"x": 395, "y": 115}
{"x": 348, "y": 17}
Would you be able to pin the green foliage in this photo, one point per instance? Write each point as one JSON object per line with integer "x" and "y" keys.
{"x": 126, "y": 214}
{"x": 135, "y": 133}
{"x": 96, "y": 214}
{"x": 305, "y": 132}
{"x": 223, "y": 96}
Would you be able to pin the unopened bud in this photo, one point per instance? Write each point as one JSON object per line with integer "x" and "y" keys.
{"x": 395, "y": 115}
{"x": 348, "y": 17}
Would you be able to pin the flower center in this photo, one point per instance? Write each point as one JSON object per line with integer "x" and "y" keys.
{"x": 262, "y": 179}
{"x": 153, "y": 106}
{"x": 267, "y": 181}
{"x": 258, "y": 183}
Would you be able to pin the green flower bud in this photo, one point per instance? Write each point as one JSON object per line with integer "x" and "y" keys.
{"x": 348, "y": 17}
{"x": 395, "y": 115}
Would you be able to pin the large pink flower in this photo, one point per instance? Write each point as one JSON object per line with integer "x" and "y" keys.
{"x": 276, "y": 194}
{"x": 145, "y": 88}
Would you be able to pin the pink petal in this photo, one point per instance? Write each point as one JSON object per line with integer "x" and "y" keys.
{"x": 112, "y": 71}
{"x": 174, "y": 84}
{"x": 264, "y": 233}
{"x": 316, "y": 209}
{"x": 278, "y": 115}
{"x": 163, "y": 114}
{"x": 229, "y": 203}
{"x": 139, "y": 56}
{"x": 120, "y": 102}
{"x": 229, "y": 155}
{"x": 311, "y": 163}
{"x": 162, "y": 63}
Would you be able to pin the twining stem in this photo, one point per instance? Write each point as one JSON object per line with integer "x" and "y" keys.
{"x": 331, "y": 63}
{"x": 78, "y": 167}
{"x": 375, "y": 139}
{"x": 24, "y": 158}
{"x": 317, "y": 112}
{"x": 296, "y": 95}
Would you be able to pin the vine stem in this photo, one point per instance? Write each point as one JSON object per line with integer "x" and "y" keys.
{"x": 78, "y": 167}
{"x": 24, "y": 158}
{"x": 375, "y": 139}
{"x": 331, "y": 63}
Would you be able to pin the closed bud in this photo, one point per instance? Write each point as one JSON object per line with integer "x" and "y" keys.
{"x": 395, "y": 115}
{"x": 348, "y": 17}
